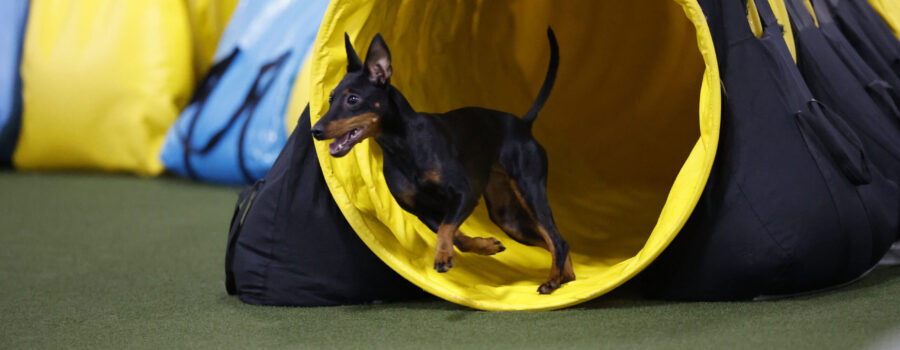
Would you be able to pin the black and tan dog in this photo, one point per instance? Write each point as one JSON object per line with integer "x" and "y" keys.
{"x": 437, "y": 166}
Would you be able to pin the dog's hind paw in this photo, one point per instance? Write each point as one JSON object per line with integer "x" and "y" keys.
{"x": 548, "y": 287}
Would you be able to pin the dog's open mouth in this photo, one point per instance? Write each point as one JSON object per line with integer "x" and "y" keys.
{"x": 342, "y": 145}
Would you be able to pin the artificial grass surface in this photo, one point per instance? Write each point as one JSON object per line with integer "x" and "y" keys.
{"x": 109, "y": 261}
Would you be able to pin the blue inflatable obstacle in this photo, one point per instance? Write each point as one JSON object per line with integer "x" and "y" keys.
{"x": 13, "y": 17}
{"x": 234, "y": 127}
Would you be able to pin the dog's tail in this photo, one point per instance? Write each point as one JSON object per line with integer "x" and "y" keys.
{"x": 548, "y": 81}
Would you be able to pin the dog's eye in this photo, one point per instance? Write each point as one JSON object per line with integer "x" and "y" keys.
{"x": 352, "y": 99}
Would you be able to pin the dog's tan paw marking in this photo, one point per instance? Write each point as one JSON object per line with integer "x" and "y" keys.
{"x": 443, "y": 261}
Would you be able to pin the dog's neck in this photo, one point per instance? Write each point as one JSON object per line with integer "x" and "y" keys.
{"x": 394, "y": 130}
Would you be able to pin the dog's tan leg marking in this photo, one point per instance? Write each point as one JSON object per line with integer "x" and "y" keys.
{"x": 443, "y": 256}
{"x": 510, "y": 211}
{"x": 557, "y": 277}
{"x": 477, "y": 245}
{"x": 568, "y": 274}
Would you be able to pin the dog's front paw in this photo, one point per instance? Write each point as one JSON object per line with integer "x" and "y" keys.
{"x": 479, "y": 245}
{"x": 443, "y": 261}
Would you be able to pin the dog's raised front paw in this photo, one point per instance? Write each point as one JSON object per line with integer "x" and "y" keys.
{"x": 479, "y": 245}
{"x": 487, "y": 246}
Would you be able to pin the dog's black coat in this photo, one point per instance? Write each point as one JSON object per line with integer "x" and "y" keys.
{"x": 437, "y": 166}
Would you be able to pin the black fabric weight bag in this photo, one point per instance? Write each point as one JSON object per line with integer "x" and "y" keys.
{"x": 792, "y": 203}
{"x": 289, "y": 244}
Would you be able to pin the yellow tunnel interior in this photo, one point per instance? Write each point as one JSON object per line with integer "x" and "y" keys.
{"x": 630, "y": 129}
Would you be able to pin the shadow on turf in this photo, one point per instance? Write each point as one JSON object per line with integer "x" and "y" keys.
{"x": 629, "y": 296}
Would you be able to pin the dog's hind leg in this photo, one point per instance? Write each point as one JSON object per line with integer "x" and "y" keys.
{"x": 508, "y": 212}
{"x": 526, "y": 174}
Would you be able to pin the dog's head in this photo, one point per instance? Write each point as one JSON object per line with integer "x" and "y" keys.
{"x": 359, "y": 101}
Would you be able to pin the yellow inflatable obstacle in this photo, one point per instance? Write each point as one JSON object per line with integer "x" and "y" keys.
{"x": 104, "y": 79}
{"x": 631, "y": 130}
{"x": 208, "y": 21}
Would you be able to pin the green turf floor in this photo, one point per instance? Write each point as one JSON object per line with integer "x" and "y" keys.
{"x": 119, "y": 262}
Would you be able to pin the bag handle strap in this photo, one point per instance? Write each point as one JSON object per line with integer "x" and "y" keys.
{"x": 800, "y": 16}
{"x": 841, "y": 143}
{"x": 264, "y": 80}
{"x": 201, "y": 95}
{"x": 767, "y": 16}
{"x": 734, "y": 20}
{"x": 267, "y": 76}
{"x": 823, "y": 12}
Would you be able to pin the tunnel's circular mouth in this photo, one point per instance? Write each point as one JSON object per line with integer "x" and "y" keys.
{"x": 627, "y": 157}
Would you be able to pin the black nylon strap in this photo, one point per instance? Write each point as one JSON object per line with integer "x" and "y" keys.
{"x": 264, "y": 80}
{"x": 267, "y": 74}
{"x": 199, "y": 99}
{"x": 823, "y": 12}
{"x": 767, "y": 16}
{"x": 736, "y": 26}
{"x": 839, "y": 140}
{"x": 800, "y": 16}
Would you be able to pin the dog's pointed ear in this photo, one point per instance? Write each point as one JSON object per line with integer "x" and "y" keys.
{"x": 378, "y": 61}
{"x": 353, "y": 62}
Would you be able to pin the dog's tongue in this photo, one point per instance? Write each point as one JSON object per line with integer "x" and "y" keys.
{"x": 339, "y": 145}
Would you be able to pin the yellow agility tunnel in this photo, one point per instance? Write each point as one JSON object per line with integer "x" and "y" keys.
{"x": 630, "y": 128}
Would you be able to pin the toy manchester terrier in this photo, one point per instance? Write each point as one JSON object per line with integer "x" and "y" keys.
{"x": 437, "y": 166}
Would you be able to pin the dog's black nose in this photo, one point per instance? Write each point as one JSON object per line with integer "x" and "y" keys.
{"x": 318, "y": 132}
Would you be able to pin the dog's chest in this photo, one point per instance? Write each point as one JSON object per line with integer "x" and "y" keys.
{"x": 416, "y": 191}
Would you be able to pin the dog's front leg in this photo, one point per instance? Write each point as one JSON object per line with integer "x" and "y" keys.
{"x": 443, "y": 256}
{"x": 461, "y": 207}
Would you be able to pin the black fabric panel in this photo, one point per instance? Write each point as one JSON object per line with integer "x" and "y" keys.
{"x": 872, "y": 39}
{"x": 832, "y": 81}
{"x": 878, "y": 32}
{"x": 881, "y": 85}
{"x": 793, "y": 202}
{"x": 294, "y": 247}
